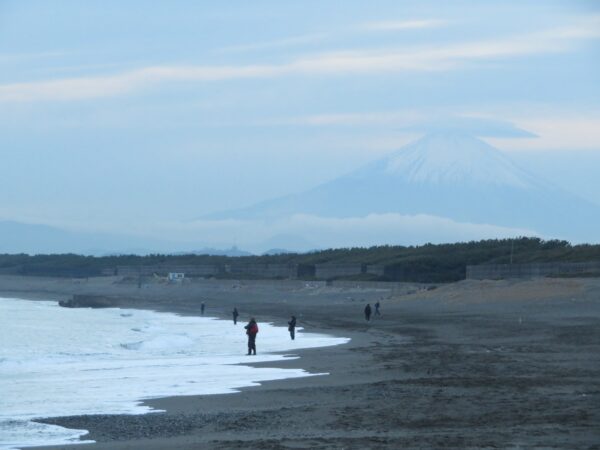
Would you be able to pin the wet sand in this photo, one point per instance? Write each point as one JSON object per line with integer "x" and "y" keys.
{"x": 467, "y": 365}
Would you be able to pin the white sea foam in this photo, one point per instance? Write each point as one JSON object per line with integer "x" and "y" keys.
{"x": 60, "y": 362}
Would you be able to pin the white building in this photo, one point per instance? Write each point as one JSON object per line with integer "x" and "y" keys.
{"x": 176, "y": 276}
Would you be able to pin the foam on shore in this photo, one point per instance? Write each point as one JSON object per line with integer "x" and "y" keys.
{"x": 62, "y": 362}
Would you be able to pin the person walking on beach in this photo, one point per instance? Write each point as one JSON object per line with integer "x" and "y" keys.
{"x": 292, "y": 327}
{"x": 251, "y": 331}
{"x": 235, "y": 315}
{"x": 368, "y": 312}
{"x": 202, "y": 306}
{"x": 377, "y": 305}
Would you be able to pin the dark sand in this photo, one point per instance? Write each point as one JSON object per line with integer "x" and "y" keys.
{"x": 467, "y": 365}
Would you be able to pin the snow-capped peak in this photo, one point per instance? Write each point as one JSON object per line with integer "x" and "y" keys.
{"x": 455, "y": 158}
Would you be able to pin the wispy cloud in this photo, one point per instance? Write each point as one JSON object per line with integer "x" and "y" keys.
{"x": 396, "y": 25}
{"x": 319, "y": 37}
{"x": 83, "y": 88}
{"x": 440, "y": 58}
{"x": 558, "y": 132}
{"x": 545, "y": 129}
{"x": 302, "y": 231}
{"x": 386, "y": 118}
{"x": 277, "y": 43}
{"x": 373, "y": 229}
{"x": 411, "y": 121}
{"x": 14, "y": 57}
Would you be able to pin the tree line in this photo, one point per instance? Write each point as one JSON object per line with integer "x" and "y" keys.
{"x": 421, "y": 263}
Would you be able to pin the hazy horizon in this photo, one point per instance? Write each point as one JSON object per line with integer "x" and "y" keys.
{"x": 143, "y": 120}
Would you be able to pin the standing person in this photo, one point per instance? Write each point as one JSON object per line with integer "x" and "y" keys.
{"x": 202, "y": 306}
{"x": 368, "y": 312}
{"x": 251, "y": 331}
{"x": 292, "y": 327}
{"x": 235, "y": 315}
{"x": 377, "y": 305}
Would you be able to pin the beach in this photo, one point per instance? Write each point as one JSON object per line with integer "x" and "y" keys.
{"x": 473, "y": 364}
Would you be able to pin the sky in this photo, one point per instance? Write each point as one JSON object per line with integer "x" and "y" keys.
{"x": 142, "y": 117}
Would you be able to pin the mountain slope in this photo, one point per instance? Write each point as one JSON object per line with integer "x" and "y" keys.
{"x": 17, "y": 237}
{"x": 449, "y": 175}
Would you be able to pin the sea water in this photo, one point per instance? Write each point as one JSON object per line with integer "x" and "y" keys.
{"x": 58, "y": 361}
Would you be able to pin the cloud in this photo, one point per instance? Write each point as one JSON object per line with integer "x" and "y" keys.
{"x": 394, "y": 25}
{"x": 406, "y": 59}
{"x": 277, "y": 43}
{"x": 374, "y": 229}
{"x": 104, "y": 86}
{"x": 386, "y": 118}
{"x": 311, "y": 38}
{"x": 546, "y": 129}
{"x": 412, "y": 121}
{"x": 477, "y": 126}
{"x": 559, "y": 132}
{"x": 19, "y": 57}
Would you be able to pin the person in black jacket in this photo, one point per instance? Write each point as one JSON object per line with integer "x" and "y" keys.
{"x": 235, "y": 315}
{"x": 368, "y": 312}
{"x": 292, "y": 327}
{"x": 251, "y": 331}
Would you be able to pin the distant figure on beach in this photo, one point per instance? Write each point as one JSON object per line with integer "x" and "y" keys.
{"x": 377, "y": 305}
{"x": 368, "y": 312}
{"x": 202, "y": 306}
{"x": 251, "y": 331}
{"x": 235, "y": 315}
{"x": 292, "y": 327}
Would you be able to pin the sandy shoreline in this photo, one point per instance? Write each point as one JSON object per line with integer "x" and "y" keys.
{"x": 468, "y": 365}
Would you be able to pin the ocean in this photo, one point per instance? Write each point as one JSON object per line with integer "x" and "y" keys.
{"x": 58, "y": 361}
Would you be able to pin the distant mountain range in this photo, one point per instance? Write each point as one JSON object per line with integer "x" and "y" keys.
{"x": 17, "y": 237}
{"x": 233, "y": 251}
{"x": 450, "y": 183}
{"x": 449, "y": 175}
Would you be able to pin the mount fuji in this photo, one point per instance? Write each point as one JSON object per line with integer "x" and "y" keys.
{"x": 450, "y": 175}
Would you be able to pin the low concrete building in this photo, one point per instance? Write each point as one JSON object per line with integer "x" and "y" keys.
{"x": 263, "y": 270}
{"x": 199, "y": 270}
{"x": 331, "y": 271}
{"x": 375, "y": 269}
